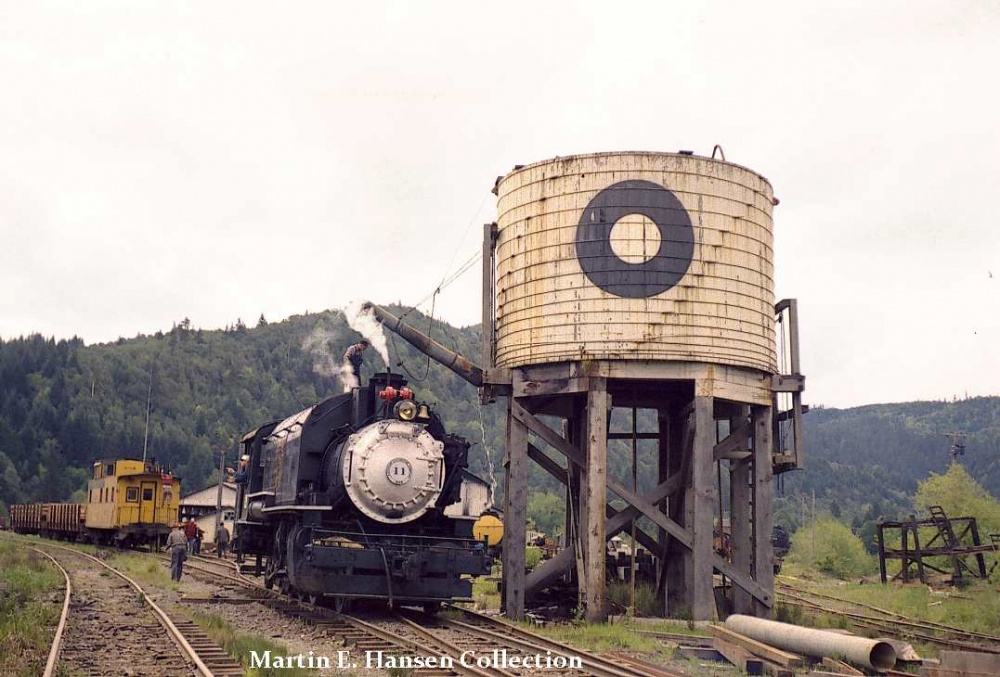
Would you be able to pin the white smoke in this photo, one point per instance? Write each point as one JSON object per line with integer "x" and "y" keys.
{"x": 363, "y": 321}
{"x": 347, "y": 377}
{"x": 325, "y": 362}
{"x": 328, "y": 359}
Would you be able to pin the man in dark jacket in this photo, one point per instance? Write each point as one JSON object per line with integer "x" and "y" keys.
{"x": 191, "y": 533}
{"x": 354, "y": 356}
{"x": 221, "y": 541}
{"x": 177, "y": 547}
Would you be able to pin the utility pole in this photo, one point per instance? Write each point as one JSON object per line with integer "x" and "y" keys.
{"x": 149, "y": 403}
{"x": 957, "y": 443}
{"x": 218, "y": 497}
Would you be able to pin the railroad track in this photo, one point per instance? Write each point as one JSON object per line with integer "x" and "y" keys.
{"x": 885, "y": 621}
{"x": 110, "y": 627}
{"x": 456, "y": 642}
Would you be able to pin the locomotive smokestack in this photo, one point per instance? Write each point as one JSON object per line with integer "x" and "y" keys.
{"x": 428, "y": 346}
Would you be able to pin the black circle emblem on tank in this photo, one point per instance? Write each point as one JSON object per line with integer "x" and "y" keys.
{"x": 399, "y": 471}
{"x": 609, "y": 271}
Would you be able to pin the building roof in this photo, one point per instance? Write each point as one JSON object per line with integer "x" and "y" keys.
{"x": 209, "y": 496}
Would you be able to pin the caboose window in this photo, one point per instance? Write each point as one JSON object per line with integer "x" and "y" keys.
{"x": 132, "y": 494}
{"x": 147, "y": 494}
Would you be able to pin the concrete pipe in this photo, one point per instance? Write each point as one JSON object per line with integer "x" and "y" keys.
{"x": 870, "y": 653}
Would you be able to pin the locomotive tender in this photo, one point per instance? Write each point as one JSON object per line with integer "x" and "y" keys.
{"x": 346, "y": 500}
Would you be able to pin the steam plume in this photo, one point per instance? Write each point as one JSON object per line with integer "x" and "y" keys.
{"x": 364, "y": 322}
{"x": 328, "y": 360}
{"x": 317, "y": 344}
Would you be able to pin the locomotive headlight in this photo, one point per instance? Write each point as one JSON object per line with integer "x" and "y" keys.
{"x": 405, "y": 410}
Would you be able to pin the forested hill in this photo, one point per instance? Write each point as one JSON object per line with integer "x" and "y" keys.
{"x": 64, "y": 404}
{"x": 866, "y": 461}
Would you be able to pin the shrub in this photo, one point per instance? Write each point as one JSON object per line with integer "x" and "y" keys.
{"x": 830, "y": 547}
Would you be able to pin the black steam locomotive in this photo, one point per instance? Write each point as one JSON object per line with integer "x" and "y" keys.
{"x": 346, "y": 500}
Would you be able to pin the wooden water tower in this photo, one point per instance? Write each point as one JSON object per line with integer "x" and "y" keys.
{"x": 642, "y": 281}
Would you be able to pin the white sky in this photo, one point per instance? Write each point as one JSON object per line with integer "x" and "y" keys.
{"x": 162, "y": 160}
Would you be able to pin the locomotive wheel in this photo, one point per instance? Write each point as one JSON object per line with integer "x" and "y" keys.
{"x": 269, "y": 571}
{"x": 341, "y": 604}
{"x": 431, "y": 608}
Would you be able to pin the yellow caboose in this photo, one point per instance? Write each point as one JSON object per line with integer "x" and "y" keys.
{"x": 131, "y": 502}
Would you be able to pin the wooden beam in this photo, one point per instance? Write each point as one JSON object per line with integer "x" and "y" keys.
{"x": 763, "y": 505}
{"x": 645, "y": 540}
{"x": 648, "y": 509}
{"x": 782, "y": 658}
{"x": 563, "y": 386}
{"x": 732, "y": 456}
{"x": 515, "y": 515}
{"x": 738, "y": 656}
{"x": 549, "y": 435}
{"x": 700, "y": 510}
{"x": 550, "y": 466}
{"x": 737, "y": 439}
{"x": 741, "y": 530}
{"x": 549, "y": 571}
{"x": 840, "y": 667}
{"x": 763, "y": 597}
{"x": 597, "y": 496}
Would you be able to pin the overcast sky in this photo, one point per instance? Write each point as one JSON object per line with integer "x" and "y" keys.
{"x": 163, "y": 160}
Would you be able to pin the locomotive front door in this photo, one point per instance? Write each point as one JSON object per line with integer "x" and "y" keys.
{"x": 147, "y": 503}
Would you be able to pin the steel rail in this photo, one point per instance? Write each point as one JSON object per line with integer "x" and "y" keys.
{"x": 50, "y": 664}
{"x": 161, "y": 615}
{"x": 524, "y": 639}
{"x": 403, "y": 642}
{"x": 549, "y": 643}
{"x": 592, "y": 663}
{"x": 896, "y": 617}
{"x": 448, "y": 646}
{"x": 896, "y": 626}
{"x": 897, "y": 621}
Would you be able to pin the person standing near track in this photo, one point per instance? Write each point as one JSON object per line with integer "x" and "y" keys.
{"x": 221, "y": 541}
{"x": 191, "y": 533}
{"x": 177, "y": 546}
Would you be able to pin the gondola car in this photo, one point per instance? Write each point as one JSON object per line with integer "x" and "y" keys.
{"x": 129, "y": 503}
{"x": 346, "y": 500}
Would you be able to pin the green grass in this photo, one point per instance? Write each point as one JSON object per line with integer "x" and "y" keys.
{"x": 144, "y": 569}
{"x": 646, "y": 603}
{"x": 486, "y": 593}
{"x": 30, "y": 604}
{"x": 239, "y": 645}
{"x": 670, "y": 625}
{"x": 975, "y": 608}
{"x": 600, "y": 638}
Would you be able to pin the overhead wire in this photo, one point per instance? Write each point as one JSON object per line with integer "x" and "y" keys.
{"x": 446, "y": 280}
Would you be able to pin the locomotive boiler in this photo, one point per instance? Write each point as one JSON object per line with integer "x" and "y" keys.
{"x": 347, "y": 499}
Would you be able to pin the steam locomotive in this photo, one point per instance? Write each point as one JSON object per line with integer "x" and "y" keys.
{"x": 346, "y": 500}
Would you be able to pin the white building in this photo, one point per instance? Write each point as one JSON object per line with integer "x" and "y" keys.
{"x": 201, "y": 505}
